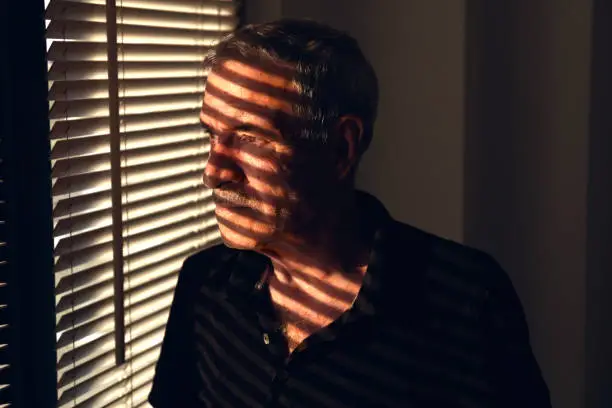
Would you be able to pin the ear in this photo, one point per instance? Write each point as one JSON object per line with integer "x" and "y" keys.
{"x": 349, "y": 130}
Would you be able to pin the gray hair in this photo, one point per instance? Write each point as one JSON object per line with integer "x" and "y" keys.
{"x": 332, "y": 75}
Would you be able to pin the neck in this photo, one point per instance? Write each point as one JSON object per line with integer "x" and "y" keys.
{"x": 337, "y": 243}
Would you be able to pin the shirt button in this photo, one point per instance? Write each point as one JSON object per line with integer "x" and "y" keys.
{"x": 266, "y": 338}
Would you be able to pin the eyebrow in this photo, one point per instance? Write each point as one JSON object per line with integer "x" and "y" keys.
{"x": 245, "y": 127}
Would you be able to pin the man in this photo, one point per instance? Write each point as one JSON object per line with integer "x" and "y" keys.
{"x": 317, "y": 297}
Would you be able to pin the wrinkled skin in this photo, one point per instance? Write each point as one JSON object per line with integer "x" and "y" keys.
{"x": 285, "y": 198}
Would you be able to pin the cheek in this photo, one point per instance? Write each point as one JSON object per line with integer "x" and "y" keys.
{"x": 278, "y": 181}
{"x": 275, "y": 189}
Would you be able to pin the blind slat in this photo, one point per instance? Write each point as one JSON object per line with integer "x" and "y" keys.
{"x": 79, "y": 335}
{"x": 104, "y": 289}
{"x": 105, "y": 360}
{"x": 71, "y": 11}
{"x": 97, "y": 201}
{"x": 138, "y": 395}
{"x": 88, "y": 351}
{"x": 122, "y": 390}
{"x": 130, "y": 123}
{"x": 99, "y": 144}
{"x": 96, "y": 310}
{"x": 135, "y": 209}
{"x": 96, "y": 51}
{"x": 220, "y": 7}
{"x": 102, "y": 253}
{"x": 174, "y": 215}
{"x": 131, "y": 158}
{"x": 137, "y": 399}
{"x": 160, "y": 254}
{"x": 98, "y": 181}
{"x": 83, "y": 89}
{"x": 100, "y": 384}
{"x": 134, "y": 34}
{"x": 130, "y": 105}
{"x": 97, "y": 70}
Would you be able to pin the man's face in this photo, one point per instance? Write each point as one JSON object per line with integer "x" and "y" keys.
{"x": 265, "y": 187}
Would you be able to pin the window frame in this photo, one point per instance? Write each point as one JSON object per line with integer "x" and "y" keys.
{"x": 25, "y": 129}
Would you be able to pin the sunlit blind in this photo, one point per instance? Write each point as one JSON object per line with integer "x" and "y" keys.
{"x": 166, "y": 212}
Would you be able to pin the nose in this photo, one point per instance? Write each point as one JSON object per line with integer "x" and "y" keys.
{"x": 221, "y": 168}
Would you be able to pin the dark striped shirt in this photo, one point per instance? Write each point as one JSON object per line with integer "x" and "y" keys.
{"x": 436, "y": 324}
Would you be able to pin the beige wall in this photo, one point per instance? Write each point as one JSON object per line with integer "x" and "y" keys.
{"x": 483, "y": 137}
{"x": 599, "y": 223}
{"x": 527, "y": 170}
{"x": 419, "y": 132}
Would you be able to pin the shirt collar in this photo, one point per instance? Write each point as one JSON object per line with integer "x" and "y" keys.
{"x": 394, "y": 246}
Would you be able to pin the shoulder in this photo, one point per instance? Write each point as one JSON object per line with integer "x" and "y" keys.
{"x": 460, "y": 260}
{"x": 452, "y": 264}
{"x": 206, "y": 264}
{"x": 205, "y": 257}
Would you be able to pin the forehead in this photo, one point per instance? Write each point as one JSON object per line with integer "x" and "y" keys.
{"x": 248, "y": 94}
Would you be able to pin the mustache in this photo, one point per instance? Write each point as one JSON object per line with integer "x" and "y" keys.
{"x": 263, "y": 207}
{"x": 232, "y": 198}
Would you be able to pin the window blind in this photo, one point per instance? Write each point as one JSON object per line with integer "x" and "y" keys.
{"x": 156, "y": 209}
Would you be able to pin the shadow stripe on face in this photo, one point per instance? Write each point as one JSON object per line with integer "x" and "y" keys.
{"x": 239, "y": 216}
{"x": 230, "y": 123}
{"x": 235, "y": 108}
{"x": 249, "y": 193}
{"x": 246, "y": 153}
{"x": 221, "y": 160}
{"x": 260, "y": 112}
{"x": 239, "y": 229}
{"x": 234, "y": 239}
{"x": 281, "y": 119}
{"x": 273, "y": 181}
{"x": 230, "y": 199}
{"x": 256, "y": 84}
{"x": 275, "y": 73}
{"x": 221, "y": 83}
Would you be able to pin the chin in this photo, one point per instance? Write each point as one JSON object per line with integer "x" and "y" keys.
{"x": 243, "y": 229}
{"x": 235, "y": 240}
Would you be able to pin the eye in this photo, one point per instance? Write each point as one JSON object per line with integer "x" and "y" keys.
{"x": 251, "y": 139}
{"x": 246, "y": 137}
